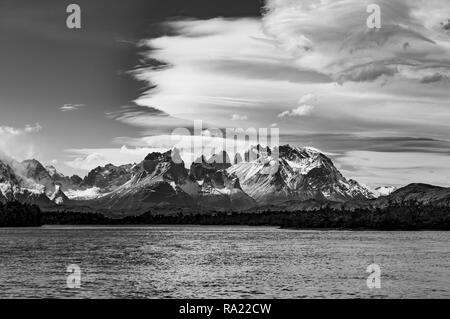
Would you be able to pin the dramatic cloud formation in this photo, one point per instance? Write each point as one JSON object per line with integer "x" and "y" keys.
{"x": 332, "y": 37}
{"x": 219, "y": 67}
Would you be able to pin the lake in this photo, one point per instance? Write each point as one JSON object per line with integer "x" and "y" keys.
{"x": 221, "y": 262}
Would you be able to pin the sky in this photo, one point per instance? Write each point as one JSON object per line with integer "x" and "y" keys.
{"x": 375, "y": 100}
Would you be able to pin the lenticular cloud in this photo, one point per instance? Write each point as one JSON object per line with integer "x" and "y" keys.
{"x": 332, "y": 37}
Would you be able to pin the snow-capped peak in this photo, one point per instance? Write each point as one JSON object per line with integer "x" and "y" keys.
{"x": 301, "y": 173}
{"x": 384, "y": 191}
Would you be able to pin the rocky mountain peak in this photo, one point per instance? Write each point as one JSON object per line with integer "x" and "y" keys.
{"x": 168, "y": 165}
{"x": 58, "y": 197}
{"x": 295, "y": 173}
{"x": 32, "y": 168}
{"x": 221, "y": 160}
{"x": 7, "y": 175}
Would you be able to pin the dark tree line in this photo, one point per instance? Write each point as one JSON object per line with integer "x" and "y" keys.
{"x": 404, "y": 216}
{"x": 75, "y": 218}
{"x": 15, "y": 214}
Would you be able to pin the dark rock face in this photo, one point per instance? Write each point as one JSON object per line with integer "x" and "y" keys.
{"x": 108, "y": 177}
{"x": 58, "y": 197}
{"x": 76, "y": 180}
{"x": 219, "y": 189}
{"x": 7, "y": 175}
{"x": 64, "y": 182}
{"x": 33, "y": 198}
{"x": 156, "y": 164}
{"x": 201, "y": 168}
{"x": 220, "y": 160}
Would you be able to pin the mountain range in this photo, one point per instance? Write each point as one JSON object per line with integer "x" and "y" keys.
{"x": 284, "y": 177}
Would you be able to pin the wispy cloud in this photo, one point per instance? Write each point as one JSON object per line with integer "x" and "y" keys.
{"x": 237, "y": 117}
{"x": 393, "y": 168}
{"x": 70, "y": 107}
{"x": 8, "y": 131}
{"x": 87, "y": 159}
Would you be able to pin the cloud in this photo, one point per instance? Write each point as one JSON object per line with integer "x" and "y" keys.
{"x": 32, "y": 128}
{"x": 207, "y": 142}
{"x": 237, "y": 117}
{"x": 70, "y": 107}
{"x": 87, "y": 162}
{"x": 13, "y": 141}
{"x": 307, "y": 98}
{"x": 126, "y": 113}
{"x": 87, "y": 159}
{"x": 303, "y": 109}
{"x": 260, "y": 67}
{"x": 432, "y": 78}
{"x": 218, "y": 67}
{"x": 8, "y": 131}
{"x": 387, "y": 168}
{"x": 331, "y": 37}
{"x": 151, "y": 120}
{"x": 446, "y": 25}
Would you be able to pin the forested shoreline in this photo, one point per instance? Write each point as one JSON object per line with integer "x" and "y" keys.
{"x": 408, "y": 216}
{"x": 15, "y": 214}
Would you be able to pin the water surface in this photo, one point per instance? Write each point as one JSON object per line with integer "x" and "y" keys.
{"x": 221, "y": 262}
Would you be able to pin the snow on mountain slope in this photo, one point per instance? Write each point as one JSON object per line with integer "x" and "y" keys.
{"x": 109, "y": 177}
{"x": 295, "y": 173}
{"x": 21, "y": 188}
{"x": 260, "y": 176}
{"x": 13, "y": 192}
{"x": 285, "y": 173}
{"x": 158, "y": 181}
{"x": 58, "y": 197}
{"x": 32, "y": 172}
{"x": 384, "y": 191}
{"x": 84, "y": 194}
